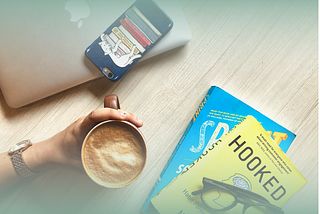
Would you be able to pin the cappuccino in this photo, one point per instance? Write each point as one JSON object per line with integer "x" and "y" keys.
{"x": 114, "y": 154}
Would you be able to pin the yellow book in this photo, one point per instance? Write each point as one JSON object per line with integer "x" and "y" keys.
{"x": 244, "y": 171}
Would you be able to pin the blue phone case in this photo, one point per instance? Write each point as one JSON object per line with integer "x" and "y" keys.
{"x": 128, "y": 39}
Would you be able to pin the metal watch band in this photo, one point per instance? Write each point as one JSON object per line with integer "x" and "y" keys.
{"x": 20, "y": 166}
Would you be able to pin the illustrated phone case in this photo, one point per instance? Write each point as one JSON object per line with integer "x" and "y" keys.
{"x": 128, "y": 39}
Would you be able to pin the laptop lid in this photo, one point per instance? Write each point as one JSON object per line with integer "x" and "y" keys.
{"x": 43, "y": 43}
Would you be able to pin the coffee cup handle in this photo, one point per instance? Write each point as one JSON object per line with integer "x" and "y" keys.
{"x": 112, "y": 101}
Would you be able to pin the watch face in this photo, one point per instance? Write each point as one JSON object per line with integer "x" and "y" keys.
{"x": 19, "y": 146}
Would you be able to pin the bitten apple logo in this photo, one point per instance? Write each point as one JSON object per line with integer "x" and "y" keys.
{"x": 79, "y": 10}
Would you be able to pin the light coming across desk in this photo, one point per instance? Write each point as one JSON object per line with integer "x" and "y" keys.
{"x": 264, "y": 52}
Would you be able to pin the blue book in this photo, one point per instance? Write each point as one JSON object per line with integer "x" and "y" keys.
{"x": 217, "y": 114}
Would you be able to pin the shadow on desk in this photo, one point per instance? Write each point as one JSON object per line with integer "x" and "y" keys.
{"x": 57, "y": 191}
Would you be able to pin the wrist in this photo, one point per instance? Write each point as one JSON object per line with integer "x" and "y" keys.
{"x": 37, "y": 157}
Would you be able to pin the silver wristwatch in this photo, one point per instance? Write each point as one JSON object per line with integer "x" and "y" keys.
{"x": 17, "y": 160}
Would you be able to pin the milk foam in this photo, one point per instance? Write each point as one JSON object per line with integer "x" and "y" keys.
{"x": 114, "y": 154}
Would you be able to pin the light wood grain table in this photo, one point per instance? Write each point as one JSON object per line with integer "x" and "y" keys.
{"x": 264, "y": 52}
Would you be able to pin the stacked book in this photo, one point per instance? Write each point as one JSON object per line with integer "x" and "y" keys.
{"x": 134, "y": 34}
{"x": 231, "y": 158}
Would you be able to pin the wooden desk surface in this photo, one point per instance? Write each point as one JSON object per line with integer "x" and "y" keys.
{"x": 263, "y": 52}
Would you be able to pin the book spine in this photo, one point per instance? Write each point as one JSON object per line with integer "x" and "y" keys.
{"x": 137, "y": 30}
{"x": 124, "y": 39}
{"x": 133, "y": 17}
{"x": 133, "y": 33}
{"x": 131, "y": 38}
{"x": 154, "y": 29}
{"x": 112, "y": 38}
{"x": 130, "y": 22}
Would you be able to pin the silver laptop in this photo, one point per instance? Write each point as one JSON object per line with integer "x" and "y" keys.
{"x": 42, "y": 43}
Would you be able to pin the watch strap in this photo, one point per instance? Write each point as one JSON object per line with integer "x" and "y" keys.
{"x": 20, "y": 166}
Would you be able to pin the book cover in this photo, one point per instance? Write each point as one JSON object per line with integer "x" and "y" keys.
{"x": 217, "y": 114}
{"x": 244, "y": 162}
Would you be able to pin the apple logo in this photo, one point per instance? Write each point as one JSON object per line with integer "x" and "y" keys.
{"x": 79, "y": 9}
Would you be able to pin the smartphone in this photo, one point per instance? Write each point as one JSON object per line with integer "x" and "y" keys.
{"x": 128, "y": 39}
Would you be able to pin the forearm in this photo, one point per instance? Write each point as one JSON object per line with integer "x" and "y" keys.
{"x": 36, "y": 157}
{"x": 62, "y": 149}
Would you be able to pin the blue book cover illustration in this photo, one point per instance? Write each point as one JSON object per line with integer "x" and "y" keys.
{"x": 218, "y": 113}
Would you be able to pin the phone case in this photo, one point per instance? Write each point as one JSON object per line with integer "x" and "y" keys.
{"x": 128, "y": 39}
